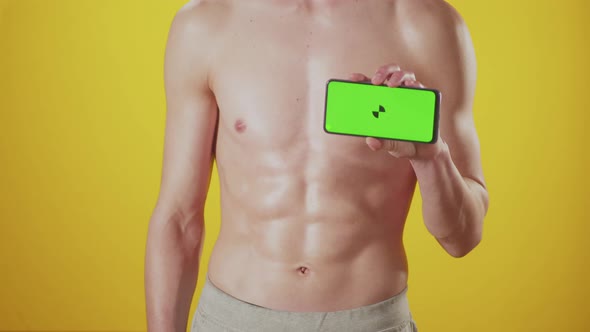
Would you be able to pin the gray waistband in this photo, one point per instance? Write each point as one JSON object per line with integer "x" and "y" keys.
{"x": 238, "y": 315}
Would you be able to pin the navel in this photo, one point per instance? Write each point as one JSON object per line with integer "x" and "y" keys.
{"x": 240, "y": 126}
{"x": 303, "y": 270}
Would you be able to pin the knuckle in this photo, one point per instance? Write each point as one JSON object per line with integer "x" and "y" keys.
{"x": 391, "y": 145}
{"x": 407, "y": 75}
{"x": 395, "y": 154}
{"x": 392, "y": 67}
{"x": 394, "y": 77}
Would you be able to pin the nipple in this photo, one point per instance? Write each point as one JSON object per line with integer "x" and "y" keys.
{"x": 240, "y": 126}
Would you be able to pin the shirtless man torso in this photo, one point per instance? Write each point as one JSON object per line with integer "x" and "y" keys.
{"x": 311, "y": 222}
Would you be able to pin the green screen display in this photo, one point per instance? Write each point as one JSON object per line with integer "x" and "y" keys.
{"x": 364, "y": 109}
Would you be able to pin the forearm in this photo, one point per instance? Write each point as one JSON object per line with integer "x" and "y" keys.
{"x": 171, "y": 269}
{"x": 453, "y": 206}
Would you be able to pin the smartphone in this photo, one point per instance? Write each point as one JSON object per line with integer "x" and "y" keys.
{"x": 365, "y": 109}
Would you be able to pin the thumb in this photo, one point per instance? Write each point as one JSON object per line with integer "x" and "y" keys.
{"x": 375, "y": 144}
{"x": 395, "y": 148}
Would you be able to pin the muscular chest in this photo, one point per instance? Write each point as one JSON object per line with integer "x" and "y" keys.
{"x": 270, "y": 73}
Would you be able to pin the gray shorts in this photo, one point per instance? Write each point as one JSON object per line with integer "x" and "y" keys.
{"x": 218, "y": 311}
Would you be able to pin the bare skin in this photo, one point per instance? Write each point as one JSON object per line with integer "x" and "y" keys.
{"x": 310, "y": 221}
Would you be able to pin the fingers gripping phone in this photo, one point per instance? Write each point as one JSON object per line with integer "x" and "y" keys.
{"x": 364, "y": 109}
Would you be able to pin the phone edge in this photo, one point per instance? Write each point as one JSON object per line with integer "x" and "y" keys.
{"x": 437, "y": 102}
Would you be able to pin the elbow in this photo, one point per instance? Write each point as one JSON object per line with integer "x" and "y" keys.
{"x": 185, "y": 227}
{"x": 466, "y": 238}
{"x": 462, "y": 241}
{"x": 469, "y": 236}
{"x": 460, "y": 252}
{"x": 462, "y": 246}
{"x": 183, "y": 214}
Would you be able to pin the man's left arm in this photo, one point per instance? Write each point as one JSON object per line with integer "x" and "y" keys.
{"x": 449, "y": 173}
{"x": 454, "y": 194}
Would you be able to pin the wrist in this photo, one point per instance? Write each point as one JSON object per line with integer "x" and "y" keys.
{"x": 428, "y": 154}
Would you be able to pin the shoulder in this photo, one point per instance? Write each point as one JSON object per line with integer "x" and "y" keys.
{"x": 198, "y": 25}
{"x": 432, "y": 27}
{"x": 194, "y": 33}
{"x": 430, "y": 17}
{"x": 199, "y": 18}
{"x": 437, "y": 38}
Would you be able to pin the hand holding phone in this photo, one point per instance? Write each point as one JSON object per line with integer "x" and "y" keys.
{"x": 363, "y": 109}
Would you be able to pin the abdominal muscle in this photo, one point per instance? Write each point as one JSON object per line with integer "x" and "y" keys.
{"x": 315, "y": 240}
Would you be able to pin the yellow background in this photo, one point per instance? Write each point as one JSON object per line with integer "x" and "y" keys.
{"x": 81, "y": 133}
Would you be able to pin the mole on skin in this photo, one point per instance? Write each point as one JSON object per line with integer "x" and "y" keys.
{"x": 240, "y": 126}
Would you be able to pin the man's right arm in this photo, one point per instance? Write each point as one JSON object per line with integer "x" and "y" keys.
{"x": 176, "y": 227}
